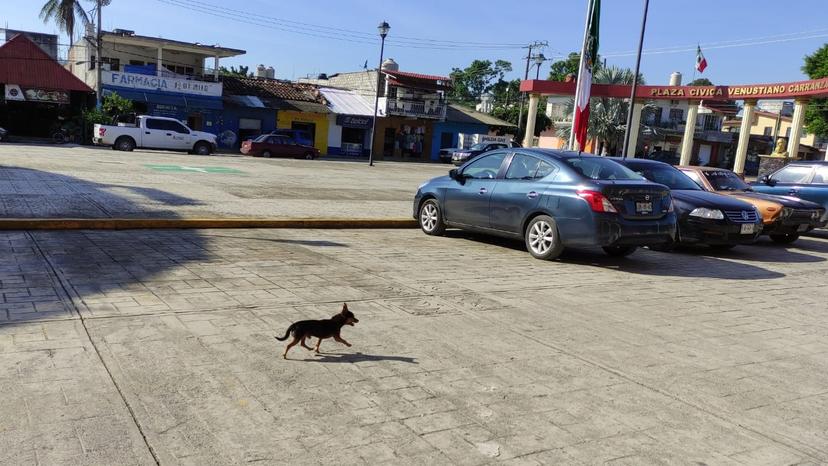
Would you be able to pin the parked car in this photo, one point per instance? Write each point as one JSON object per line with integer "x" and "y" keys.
{"x": 269, "y": 145}
{"x": 461, "y": 156}
{"x": 3, "y": 134}
{"x": 551, "y": 199}
{"x": 298, "y": 135}
{"x": 806, "y": 180}
{"x": 703, "y": 217}
{"x": 784, "y": 218}
{"x": 152, "y": 132}
{"x": 446, "y": 153}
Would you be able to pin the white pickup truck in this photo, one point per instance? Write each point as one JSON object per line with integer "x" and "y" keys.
{"x": 152, "y": 132}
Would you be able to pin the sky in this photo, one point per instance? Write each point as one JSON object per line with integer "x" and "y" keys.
{"x": 300, "y": 38}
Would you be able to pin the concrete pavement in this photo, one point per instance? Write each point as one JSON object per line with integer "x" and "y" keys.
{"x": 137, "y": 347}
{"x": 84, "y": 182}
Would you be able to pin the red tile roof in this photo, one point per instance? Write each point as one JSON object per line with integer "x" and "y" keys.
{"x": 271, "y": 88}
{"x": 23, "y": 63}
{"x": 406, "y": 74}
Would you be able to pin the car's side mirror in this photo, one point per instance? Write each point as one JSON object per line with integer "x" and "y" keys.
{"x": 765, "y": 179}
{"x": 455, "y": 175}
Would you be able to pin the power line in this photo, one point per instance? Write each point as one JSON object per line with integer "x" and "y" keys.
{"x": 735, "y": 44}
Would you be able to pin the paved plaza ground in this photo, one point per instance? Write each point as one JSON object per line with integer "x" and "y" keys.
{"x": 48, "y": 181}
{"x": 156, "y": 346}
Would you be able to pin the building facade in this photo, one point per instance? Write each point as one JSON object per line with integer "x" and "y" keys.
{"x": 162, "y": 77}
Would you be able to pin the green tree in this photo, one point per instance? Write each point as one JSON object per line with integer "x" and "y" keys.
{"x": 607, "y": 115}
{"x": 510, "y": 113}
{"x": 569, "y": 65}
{"x": 112, "y": 107}
{"x": 700, "y": 82}
{"x": 243, "y": 71}
{"x": 65, "y": 13}
{"x": 816, "y": 115}
{"x": 473, "y": 81}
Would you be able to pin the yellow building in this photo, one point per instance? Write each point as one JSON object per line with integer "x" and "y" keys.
{"x": 764, "y": 124}
{"x": 310, "y": 117}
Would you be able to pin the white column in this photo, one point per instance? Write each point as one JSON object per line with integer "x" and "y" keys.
{"x": 634, "y": 127}
{"x": 216, "y": 68}
{"x": 529, "y": 137}
{"x": 796, "y": 128}
{"x": 689, "y": 132}
{"x": 158, "y": 63}
{"x": 744, "y": 137}
{"x": 826, "y": 153}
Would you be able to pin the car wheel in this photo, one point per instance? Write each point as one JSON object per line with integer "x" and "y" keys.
{"x": 266, "y": 154}
{"x": 784, "y": 239}
{"x": 309, "y": 156}
{"x": 201, "y": 148}
{"x": 431, "y": 218}
{"x": 125, "y": 144}
{"x": 542, "y": 238}
{"x": 619, "y": 251}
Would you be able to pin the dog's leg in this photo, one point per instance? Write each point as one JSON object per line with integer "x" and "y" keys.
{"x": 341, "y": 340}
{"x": 305, "y": 344}
{"x": 290, "y": 345}
{"x": 317, "y": 345}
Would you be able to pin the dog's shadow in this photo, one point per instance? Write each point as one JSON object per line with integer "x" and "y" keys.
{"x": 358, "y": 357}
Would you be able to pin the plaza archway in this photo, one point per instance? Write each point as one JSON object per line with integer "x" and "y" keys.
{"x": 800, "y": 91}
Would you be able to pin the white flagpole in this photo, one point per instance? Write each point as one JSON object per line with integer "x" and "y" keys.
{"x": 590, "y": 4}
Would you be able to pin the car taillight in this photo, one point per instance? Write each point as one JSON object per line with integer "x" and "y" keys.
{"x": 597, "y": 201}
{"x": 101, "y": 132}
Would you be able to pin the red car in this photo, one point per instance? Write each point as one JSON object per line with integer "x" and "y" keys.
{"x": 274, "y": 145}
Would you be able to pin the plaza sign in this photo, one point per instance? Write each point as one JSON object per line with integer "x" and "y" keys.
{"x": 160, "y": 83}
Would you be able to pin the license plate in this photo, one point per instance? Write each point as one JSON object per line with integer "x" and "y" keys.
{"x": 748, "y": 228}
{"x": 802, "y": 228}
{"x": 643, "y": 207}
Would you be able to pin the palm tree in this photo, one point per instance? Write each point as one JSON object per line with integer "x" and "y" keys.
{"x": 65, "y": 13}
{"x": 607, "y": 115}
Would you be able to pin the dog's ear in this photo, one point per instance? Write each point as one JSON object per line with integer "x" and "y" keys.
{"x": 344, "y": 307}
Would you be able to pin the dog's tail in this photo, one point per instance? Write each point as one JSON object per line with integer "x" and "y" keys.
{"x": 290, "y": 329}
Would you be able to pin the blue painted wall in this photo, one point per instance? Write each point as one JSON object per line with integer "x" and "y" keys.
{"x": 228, "y": 136}
{"x": 455, "y": 129}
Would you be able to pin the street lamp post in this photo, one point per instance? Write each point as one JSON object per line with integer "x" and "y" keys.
{"x": 383, "y": 29}
{"x": 539, "y": 59}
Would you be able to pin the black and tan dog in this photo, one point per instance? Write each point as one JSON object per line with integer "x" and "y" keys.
{"x": 320, "y": 329}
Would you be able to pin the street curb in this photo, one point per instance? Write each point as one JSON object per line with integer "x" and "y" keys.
{"x": 201, "y": 223}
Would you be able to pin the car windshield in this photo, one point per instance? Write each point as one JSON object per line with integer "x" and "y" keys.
{"x": 479, "y": 146}
{"x": 724, "y": 180}
{"x": 261, "y": 138}
{"x": 597, "y": 168}
{"x": 668, "y": 176}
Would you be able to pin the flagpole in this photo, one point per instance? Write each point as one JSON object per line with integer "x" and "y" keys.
{"x": 635, "y": 82}
{"x": 590, "y": 5}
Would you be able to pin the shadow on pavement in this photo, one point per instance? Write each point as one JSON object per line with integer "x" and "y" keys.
{"x": 359, "y": 357}
{"x": 643, "y": 262}
{"x": 107, "y": 271}
{"x": 301, "y": 242}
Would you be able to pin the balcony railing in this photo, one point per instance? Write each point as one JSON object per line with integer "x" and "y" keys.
{"x": 414, "y": 108}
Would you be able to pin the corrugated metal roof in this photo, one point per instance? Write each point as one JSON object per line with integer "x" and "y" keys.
{"x": 460, "y": 114}
{"x": 23, "y": 63}
{"x": 346, "y": 102}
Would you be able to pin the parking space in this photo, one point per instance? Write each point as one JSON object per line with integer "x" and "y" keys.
{"x": 131, "y": 347}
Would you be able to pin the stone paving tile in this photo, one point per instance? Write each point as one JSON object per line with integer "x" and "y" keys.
{"x": 468, "y": 351}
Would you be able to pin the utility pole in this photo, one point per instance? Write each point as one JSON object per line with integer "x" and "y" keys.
{"x": 536, "y": 44}
{"x": 98, "y": 61}
{"x": 635, "y": 83}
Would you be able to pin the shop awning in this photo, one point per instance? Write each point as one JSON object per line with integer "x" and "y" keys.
{"x": 203, "y": 102}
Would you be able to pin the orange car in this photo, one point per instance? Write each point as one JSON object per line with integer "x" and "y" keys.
{"x": 784, "y": 217}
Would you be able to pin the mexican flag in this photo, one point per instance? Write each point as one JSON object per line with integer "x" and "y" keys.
{"x": 701, "y": 62}
{"x": 589, "y": 56}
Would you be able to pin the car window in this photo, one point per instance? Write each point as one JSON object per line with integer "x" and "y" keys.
{"x": 544, "y": 169}
{"x": 598, "y": 168}
{"x": 671, "y": 177}
{"x": 478, "y": 146}
{"x": 274, "y": 140}
{"x": 262, "y": 138}
{"x": 485, "y": 167}
{"x": 821, "y": 176}
{"x": 693, "y": 175}
{"x": 522, "y": 167}
{"x": 792, "y": 174}
{"x": 178, "y": 127}
{"x": 725, "y": 180}
{"x": 153, "y": 123}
